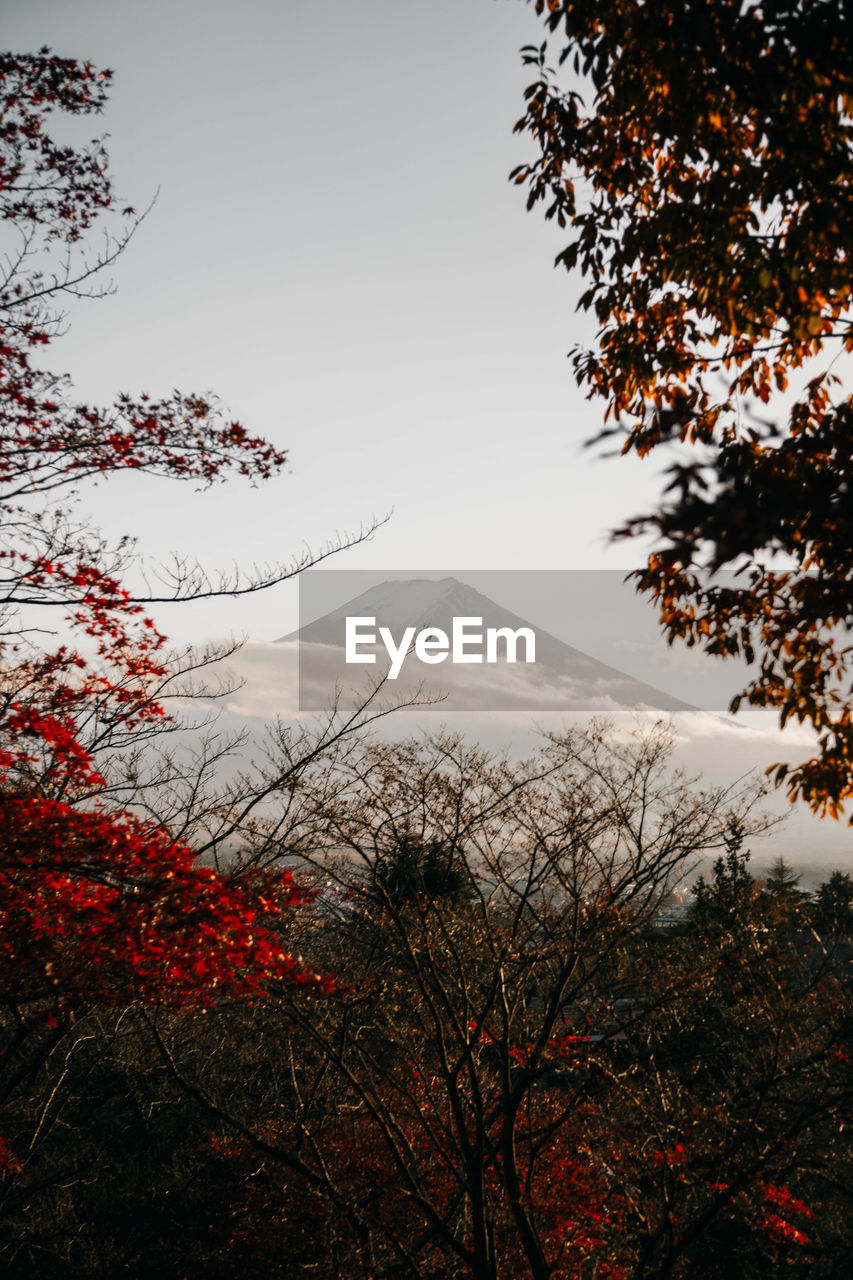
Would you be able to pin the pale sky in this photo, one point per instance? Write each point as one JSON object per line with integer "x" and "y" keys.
{"x": 337, "y": 252}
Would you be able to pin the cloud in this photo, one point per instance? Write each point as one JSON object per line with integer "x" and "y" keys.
{"x": 720, "y": 747}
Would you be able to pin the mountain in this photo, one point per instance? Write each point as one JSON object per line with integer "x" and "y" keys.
{"x": 562, "y": 677}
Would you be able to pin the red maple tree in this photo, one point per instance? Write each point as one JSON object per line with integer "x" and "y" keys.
{"x": 96, "y": 904}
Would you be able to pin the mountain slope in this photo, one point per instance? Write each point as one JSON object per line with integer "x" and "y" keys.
{"x": 561, "y": 678}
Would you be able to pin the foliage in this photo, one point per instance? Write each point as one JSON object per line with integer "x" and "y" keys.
{"x": 519, "y": 1079}
{"x": 507, "y": 1073}
{"x": 782, "y": 883}
{"x": 114, "y": 906}
{"x": 701, "y": 154}
{"x": 522, "y": 1081}
{"x": 107, "y": 908}
{"x": 414, "y": 867}
{"x": 52, "y": 703}
{"x": 97, "y": 904}
{"x": 833, "y": 904}
{"x": 732, "y": 892}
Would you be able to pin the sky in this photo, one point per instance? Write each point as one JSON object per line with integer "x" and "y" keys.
{"x": 336, "y": 251}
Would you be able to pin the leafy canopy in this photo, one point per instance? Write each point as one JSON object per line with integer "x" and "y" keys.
{"x": 701, "y": 155}
{"x": 96, "y": 904}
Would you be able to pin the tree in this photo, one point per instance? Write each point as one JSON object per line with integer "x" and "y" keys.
{"x": 705, "y": 172}
{"x": 782, "y": 883}
{"x": 522, "y": 1079}
{"x": 103, "y": 900}
{"x": 102, "y": 891}
{"x": 732, "y": 894}
{"x": 516, "y": 1080}
{"x": 833, "y": 904}
{"x": 519, "y": 1079}
{"x": 414, "y": 868}
{"x": 116, "y": 902}
{"x": 96, "y": 901}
